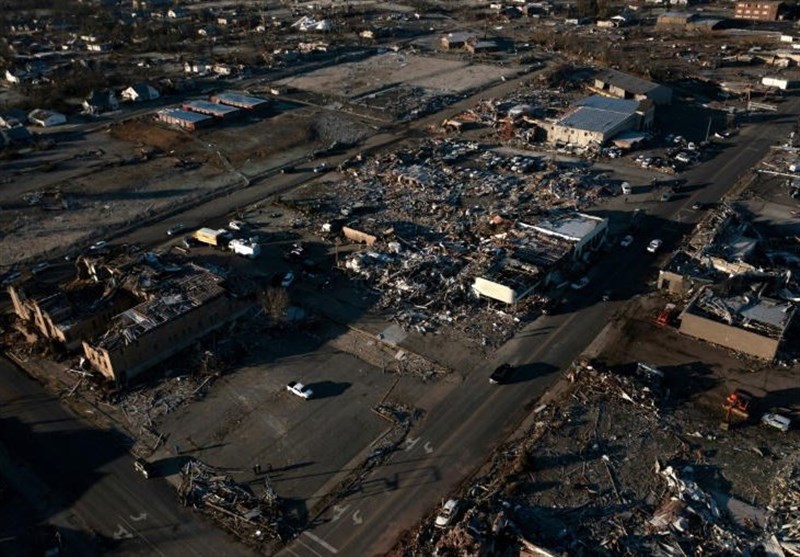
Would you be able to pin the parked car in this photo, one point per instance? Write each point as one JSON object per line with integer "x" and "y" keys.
{"x": 300, "y": 390}
{"x": 697, "y": 206}
{"x": 98, "y": 246}
{"x": 448, "y": 514}
{"x": 189, "y": 242}
{"x": 173, "y": 230}
{"x": 237, "y": 225}
{"x": 322, "y": 167}
{"x": 10, "y": 277}
{"x": 501, "y": 374}
{"x": 626, "y": 241}
{"x": 580, "y": 284}
{"x": 777, "y": 421}
{"x": 288, "y": 279}
{"x": 39, "y": 267}
{"x": 143, "y": 467}
{"x": 667, "y": 195}
{"x": 654, "y": 245}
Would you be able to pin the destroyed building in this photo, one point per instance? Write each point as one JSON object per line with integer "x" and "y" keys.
{"x": 180, "y": 309}
{"x": 683, "y": 274}
{"x": 66, "y": 314}
{"x": 597, "y": 119}
{"x": 723, "y": 244}
{"x": 538, "y": 252}
{"x": 625, "y": 86}
{"x": 746, "y": 320}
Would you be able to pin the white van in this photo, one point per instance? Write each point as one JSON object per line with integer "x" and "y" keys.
{"x": 626, "y": 188}
{"x": 777, "y": 421}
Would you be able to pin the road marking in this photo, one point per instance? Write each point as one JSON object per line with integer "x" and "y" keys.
{"x": 321, "y": 542}
{"x": 357, "y": 520}
{"x": 122, "y": 533}
{"x": 338, "y": 511}
{"x": 308, "y": 547}
{"x": 411, "y": 442}
{"x": 139, "y": 518}
{"x": 428, "y": 447}
{"x": 289, "y": 549}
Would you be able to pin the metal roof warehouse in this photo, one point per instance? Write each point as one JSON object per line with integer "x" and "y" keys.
{"x": 239, "y": 100}
{"x": 212, "y": 109}
{"x": 183, "y": 118}
{"x": 600, "y": 114}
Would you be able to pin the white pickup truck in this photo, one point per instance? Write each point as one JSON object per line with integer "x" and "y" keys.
{"x": 300, "y": 390}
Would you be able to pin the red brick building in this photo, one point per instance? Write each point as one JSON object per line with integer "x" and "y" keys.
{"x": 759, "y": 11}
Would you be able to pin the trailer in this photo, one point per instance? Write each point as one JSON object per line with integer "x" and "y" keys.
{"x": 211, "y": 237}
{"x": 246, "y": 248}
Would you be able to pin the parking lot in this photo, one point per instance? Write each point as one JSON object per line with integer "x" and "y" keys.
{"x": 310, "y": 445}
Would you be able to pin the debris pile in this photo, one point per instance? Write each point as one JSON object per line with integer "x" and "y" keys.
{"x": 232, "y": 505}
{"x": 581, "y": 481}
{"x": 436, "y": 216}
{"x": 784, "y": 509}
{"x": 144, "y": 406}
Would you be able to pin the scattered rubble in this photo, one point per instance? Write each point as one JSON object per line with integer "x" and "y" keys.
{"x": 251, "y": 518}
{"x": 632, "y": 481}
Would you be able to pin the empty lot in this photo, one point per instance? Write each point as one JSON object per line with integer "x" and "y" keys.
{"x": 384, "y": 71}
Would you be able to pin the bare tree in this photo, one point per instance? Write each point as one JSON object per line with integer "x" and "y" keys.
{"x": 275, "y": 301}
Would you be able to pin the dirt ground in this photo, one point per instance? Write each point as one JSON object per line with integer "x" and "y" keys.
{"x": 105, "y": 181}
{"x": 378, "y": 72}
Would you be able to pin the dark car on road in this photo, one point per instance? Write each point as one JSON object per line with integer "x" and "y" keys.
{"x": 501, "y": 374}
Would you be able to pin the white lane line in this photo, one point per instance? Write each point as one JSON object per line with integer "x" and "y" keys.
{"x": 308, "y": 547}
{"x": 289, "y": 549}
{"x": 321, "y": 542}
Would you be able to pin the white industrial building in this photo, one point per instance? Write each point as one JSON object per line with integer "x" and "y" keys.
{"x": 597, "y": 119}
{"x": 537, "y": 252}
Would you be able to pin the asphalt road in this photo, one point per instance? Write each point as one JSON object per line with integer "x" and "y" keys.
{"x": 82, "y": 479}
{"x": 456, "y": 437}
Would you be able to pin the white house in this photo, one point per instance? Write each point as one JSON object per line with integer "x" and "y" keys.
{"x": 139, "y": 93}
{"x": 15, "y": 76}
{"x": 199, "y": 67}
{"x": 46, "y": 118}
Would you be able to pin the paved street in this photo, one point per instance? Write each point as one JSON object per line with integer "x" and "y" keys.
{"x": 455, "y": 438}
{"x": 81, "y": 478}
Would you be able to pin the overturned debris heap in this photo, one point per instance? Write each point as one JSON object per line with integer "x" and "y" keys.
{"x": 235, "y": 507}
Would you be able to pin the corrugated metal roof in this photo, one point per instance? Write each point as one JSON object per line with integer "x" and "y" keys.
{"x": 213, "y": 108}
{"x": 239, "y": 99}
{"x": 573, "y": 227}
{"x": 184, "y": 115}
{"x": 628, "y": 82}
{"x": 593, "y": 119}
{"x": 622, "y": 106}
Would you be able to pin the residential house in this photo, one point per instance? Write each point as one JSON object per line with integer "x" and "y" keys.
{"x": 18, "y": 136}
{"x": 46, "y": 118}
{"x": 140, "y": 92}
{"x": 100, "y": 101}
{"x": 13, "y": 118}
